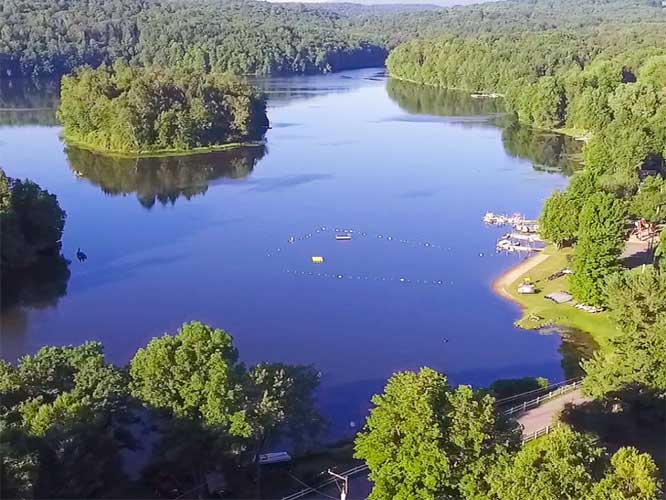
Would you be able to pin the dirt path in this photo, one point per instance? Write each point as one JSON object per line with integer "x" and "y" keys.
{"x": 541, "y": 416}
{"x": 500, "y": 284}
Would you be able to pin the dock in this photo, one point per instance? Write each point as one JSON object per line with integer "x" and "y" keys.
{"x": 520, "y": 236}
{"x": 493, "y": 219}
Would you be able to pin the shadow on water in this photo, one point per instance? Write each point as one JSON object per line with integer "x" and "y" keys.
{"x": 548, "y": 151}
{"x": 28, "y": 102}
{"x": 39, "y": 286}
{"x": 576, "y": 346}
{"x": 422, "y": 100}
{"x": 166, "y": 179}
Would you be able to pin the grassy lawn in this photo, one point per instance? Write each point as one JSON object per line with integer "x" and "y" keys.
{"x": 539, "y": 312}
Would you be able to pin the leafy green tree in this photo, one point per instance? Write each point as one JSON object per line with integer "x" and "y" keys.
{"x": 504, "y": 388}
{"x": 559, "y": 466}
{"x": 632, "y": 476}
{"x": 566, "y": 465}
{"x": 61, "y": 411}
{"x": 205, "y": 377}
{"x": 600, "y": 243}
{"x": 653, "y": 72}
{"x": 213, "y": 408}
{"x": 650, "y": 201}
{"x": 422, "y": 436}
{"x": 33, "y": 270}
{"x": 5, "y": 193}
{"x": 559, "y": 219}
{"x": 637, "y": 355}
{"x": 660, "y": 251}
{"x": 281, "y": 397}
{"x": 548, "y": 104}
{"x": 32, "y": 223}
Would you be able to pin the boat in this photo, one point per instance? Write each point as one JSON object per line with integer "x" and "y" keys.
{"x": 317, "y": 259}
{"x": 273, "y": 458}
{"x": 343, "y": 236}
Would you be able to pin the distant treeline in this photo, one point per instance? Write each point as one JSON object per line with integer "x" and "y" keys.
{"x": 44, "y": 37}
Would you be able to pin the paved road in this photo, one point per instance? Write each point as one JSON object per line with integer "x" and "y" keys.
{"x": 541, "y": 416}
{"x": 532, "y": 421}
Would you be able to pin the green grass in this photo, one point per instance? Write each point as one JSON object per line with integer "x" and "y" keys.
{"x": 539, "y": 312}
{"x": 158, "y": 153}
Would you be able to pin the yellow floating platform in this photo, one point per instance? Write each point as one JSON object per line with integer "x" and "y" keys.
{"x": 317, "y": 259}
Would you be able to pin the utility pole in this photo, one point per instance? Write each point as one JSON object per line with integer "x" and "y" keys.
{"x": 344, "y": 488}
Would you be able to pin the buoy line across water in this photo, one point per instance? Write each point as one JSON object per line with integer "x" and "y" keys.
{"x": 364, "y": 234}
{"x": 354, "y": 233}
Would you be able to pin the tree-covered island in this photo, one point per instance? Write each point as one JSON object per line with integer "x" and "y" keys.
{"x": 148, "y": 111}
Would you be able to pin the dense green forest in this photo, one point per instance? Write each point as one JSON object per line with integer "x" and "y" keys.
{"x": 33, "y": 270}
{"x": 131, "y": 110}
{"x": 426, "y": 439}
{"x": 607, "y": 85}
{"x": 44, "y": 37}
{"x": 65, "y": 415}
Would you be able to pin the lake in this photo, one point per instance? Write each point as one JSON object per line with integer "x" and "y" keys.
{"x": 228, "y": 238}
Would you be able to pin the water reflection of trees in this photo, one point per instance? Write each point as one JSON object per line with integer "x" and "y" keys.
{"x": 162, "y": 180}
{"x": 547, "y": 151}
{"x": 39, "y": 286}
{"x": 421, "y": 99}
{"x": 28, "y": 102}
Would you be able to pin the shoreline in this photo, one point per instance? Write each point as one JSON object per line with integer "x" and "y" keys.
{"x": 162, "y": 153}
{"x": 512, "y": 274}
{"x": 536, "y": 312}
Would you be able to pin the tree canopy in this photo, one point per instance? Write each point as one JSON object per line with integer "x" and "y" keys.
{"x": 58, "y": 411}
{"x": 637, "y": 355}
{"x": 600, "y": 243}
{"x": 43, "y": 37}
{"x": 132, "y": 110}
{"x": 422, "y": 436}
{"x": 215, "y": 408}
{"x": 33, "y": 270}
{"x": 566, "y": 465}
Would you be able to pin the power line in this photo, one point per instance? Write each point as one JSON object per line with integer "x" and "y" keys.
{"x": 315, "y": 490}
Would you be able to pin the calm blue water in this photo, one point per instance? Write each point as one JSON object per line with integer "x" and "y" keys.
{"x": 197, "y": 239}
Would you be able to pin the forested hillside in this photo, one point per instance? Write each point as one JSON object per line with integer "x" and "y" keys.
{"x": 607, "y": 83}
{"x": 47, "y": 37}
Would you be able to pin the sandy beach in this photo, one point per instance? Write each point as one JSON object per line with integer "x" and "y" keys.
{"x": 500, "y": 284}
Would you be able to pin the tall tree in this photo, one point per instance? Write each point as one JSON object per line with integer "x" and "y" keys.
{"x": 60, "y": 411}
{"x": 559, "y": 219}
{"x": 600, "y": 242}
{"x": 422, "y": 436}
{"x": 566, "y": 465}
{"x": 637, "y": 355}
{"x": 214, "y": 409}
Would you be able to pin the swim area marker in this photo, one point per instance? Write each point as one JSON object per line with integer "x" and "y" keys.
{"x": 364, "y": 235}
